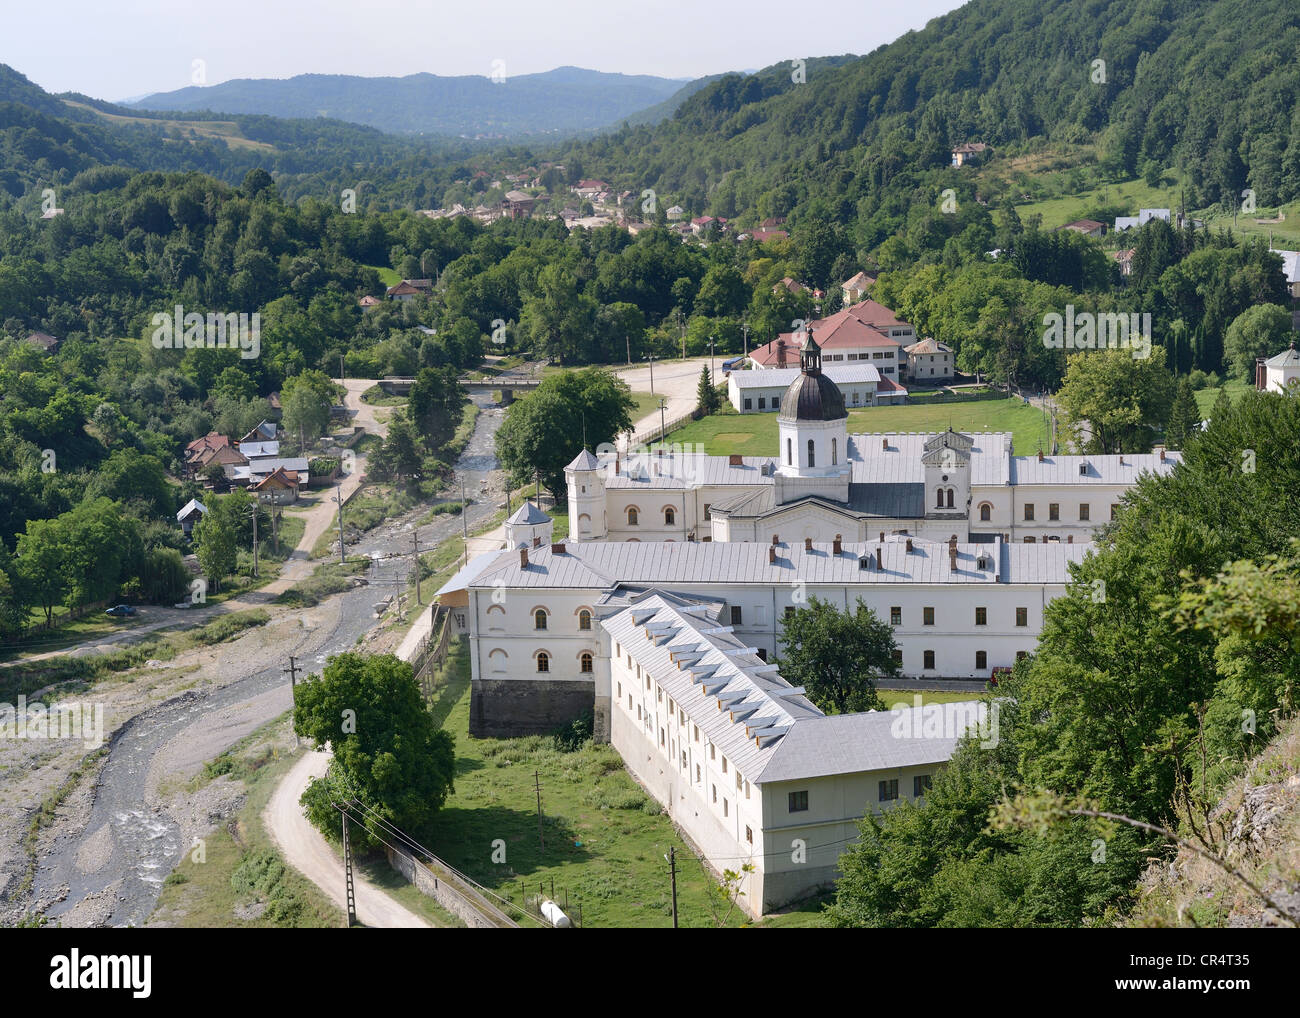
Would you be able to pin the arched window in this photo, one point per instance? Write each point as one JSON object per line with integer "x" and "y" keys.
{"x": 584, "y": 524}
{"x": 584, "y": 620}
{"x": 585, "y": 662}
{"x": 539, "y": 618}
{"x": 812, "y": 453}
{"x": 835, "y": 455}
{"x": 670, "y": 516}
{"x": 950, "y": 494}
{"x": 938, "y": 495}
{"x": 543, "y": 661}
{"x": 632, "y": 517}
{"x": 789, "y": 452}
{"x": 986, "y": 512}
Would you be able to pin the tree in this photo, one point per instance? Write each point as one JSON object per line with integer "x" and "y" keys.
{"x": 307, "y": 399}
{"x": 1117, "y": 398}
{"x": 707, "y": 398}
{"x": 42, "y": 565}
{"x": 215, "y": 546}
{"x": 543, "y": 432}
{"x": 1184, "y": 418}
{"x": 388, "y": 751}
{"x": 435, "y": 405}
{"x": 1259, "y": 331}
{"x": 838, "y": 657}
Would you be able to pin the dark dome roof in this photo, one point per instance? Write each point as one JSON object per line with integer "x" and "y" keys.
{"x": 813, "y": 397}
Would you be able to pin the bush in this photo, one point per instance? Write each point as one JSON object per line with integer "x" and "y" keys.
{"x": 575, "y": 734}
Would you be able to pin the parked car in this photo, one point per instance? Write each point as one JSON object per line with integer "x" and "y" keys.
{"x": 120, "y": 610}
{"x": 183, "y": 604}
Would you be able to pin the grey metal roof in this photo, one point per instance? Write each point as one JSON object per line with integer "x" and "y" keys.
{"x": 1288, "y": 358}
{"x": 528, "y": 515}
{"x": 584, "y": 461}
{"x": 469, "y": 572}
{"x": 190, "y": 507}
{"x": 602, "y": 564}
{"x": 888, "y": 501}
{"x": 768, "y": 378}
{"x": 701, "y": 664}
{"x": 871, "y": 741}
{"x": 1091, "y": 469}
{"x": 684, "y": 470}
{"x": 893, "y": 458}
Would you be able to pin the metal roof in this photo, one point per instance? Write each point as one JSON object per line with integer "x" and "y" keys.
{"x": 1111, "y": 469}
{"x": 602, "y": 564}
{"x": 584, "y": 461}
{"x": 528, "y": 515}
{"x": 782, "y": 377}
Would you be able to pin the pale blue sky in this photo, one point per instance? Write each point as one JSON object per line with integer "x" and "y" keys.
{"x": 132, "y": 47}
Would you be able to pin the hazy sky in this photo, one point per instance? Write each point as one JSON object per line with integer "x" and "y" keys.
{"x": 129, "y": 48}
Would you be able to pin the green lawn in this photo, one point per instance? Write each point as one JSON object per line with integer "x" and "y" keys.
{"x": 605, "y": 838}
{"x": 1205, "y": 397}
{"x": 388, "y": 277}
{"x": 756, "y": 434}
{"x": 646, "y": 403}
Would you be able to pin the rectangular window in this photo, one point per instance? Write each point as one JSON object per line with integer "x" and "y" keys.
{"x": 981, "y": 660}
{"x": 735, "y": 615}
{"x": 695, "y": 731}
{"x": 713, "y": 751}
{"x": 708, "y": 511}
{"x": 659, "y": 694}
{"x": 746, "y": 789}
{"x": 789, "y": 612}
{"x": 762, "y": 402}
{"x": 749, "y": 834}
{"x": 715, "y": 793}
{"x": 1021, "y": 655}
{"x": 896, "y": 616}
{"x": 724, "y": 765}
{"x": 921, "y": 784}
{"x": 629, "y": 701}
{"x": 725, "y": 806}
{"x": 698, "y": 776}
{"x": 798, "y": 802}
{"x": 1053, "y": 511}
{"x": 1029, "y": 511}
{"x": 928, "y": 658}
{"x": 981, "y": 616}
{"x": 1022, "y": 616}
{"x": 749, "y": 403}
{"x": 638, "y": 712}
{"x": 1114, "y": 510}
{"x": 1084, "y": 510}
{"x": 681, "y": 714}
{"x": 889, "y": 790}
{"x": 927, "y": 616}
{"x": 661, "y": 737}
{"x": 620, "y": 690}
{"x": 897, "y": 655}
{"x": 739, "y": 781}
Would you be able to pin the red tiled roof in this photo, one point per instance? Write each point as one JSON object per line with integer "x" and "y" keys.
{"x": 864, "y": 324}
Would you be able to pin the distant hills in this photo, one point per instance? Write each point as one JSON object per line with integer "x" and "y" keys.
{"x": 564, "y": 101}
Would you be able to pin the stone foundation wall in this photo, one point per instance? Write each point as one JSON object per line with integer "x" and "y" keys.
{"x": 507, "y": 708}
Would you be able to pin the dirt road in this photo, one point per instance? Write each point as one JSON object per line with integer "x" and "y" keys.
{"x": 307, "y": 851}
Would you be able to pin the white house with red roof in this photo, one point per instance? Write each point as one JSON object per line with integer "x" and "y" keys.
{"x": 867, "y": 331}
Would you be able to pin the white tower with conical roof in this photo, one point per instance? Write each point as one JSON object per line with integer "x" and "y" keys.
{"x": 587, "y": 518}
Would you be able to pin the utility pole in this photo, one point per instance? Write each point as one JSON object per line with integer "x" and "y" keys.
{"x": 537, "y": 780}
{"x": 712, "y": 375}
{"x": 338, "y": 497}
{"x": 464, "y": 522}
{"x": 663, "y": 429}
{"x": 293, "y": 688}
{"x": 347, "y": 873}
{"x": 340, "y": 369}
{"x": 256, "y": 505}
{"x": 745, "y": 331}
{"x": 415, "y": 541}
{"x": 651, "y": 358}
{"x": 672, "y": 869}
{"x": 628, "y": 341}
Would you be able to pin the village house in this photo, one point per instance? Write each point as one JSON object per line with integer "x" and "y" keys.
{"x": 855, "y": 288}
{"x": 1088, "y": 227}
{"x": 43, "y": 341}
{"x": 928, "y": 361}
{"x": 409, "y": 289}
{"x": 1124, "y": 259}
{"x": 190, "y": 513}
{"x": 280, "y": 487}
{"x": 1279, "y": 373}
{"x": 970, "y": 152}
{"x": 1291, "y": 271}
{"x": 756, "y": 392}
{"x": 866, "y": 331}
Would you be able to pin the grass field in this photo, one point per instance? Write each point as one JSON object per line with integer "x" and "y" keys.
{"x": 605, "y": 838}
{"x": 756, "y": 434}
{"x": 1205, "y": 397}
{"x": 387, "y": 276}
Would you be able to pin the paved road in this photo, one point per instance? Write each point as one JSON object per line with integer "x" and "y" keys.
{"x": 675, "y": 381}
{"x": 306, "y": 850}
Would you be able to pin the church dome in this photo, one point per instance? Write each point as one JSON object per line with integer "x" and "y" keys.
{"x": 812, "y": 396}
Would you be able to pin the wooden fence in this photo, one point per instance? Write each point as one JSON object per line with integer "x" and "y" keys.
{"x": 432, "y": 651}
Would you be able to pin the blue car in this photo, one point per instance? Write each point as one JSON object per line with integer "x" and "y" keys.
{"x": 120, "y": 610}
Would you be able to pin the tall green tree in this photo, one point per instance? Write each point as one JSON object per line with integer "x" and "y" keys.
{"x": 1184, "y": 418}
{"x": 1259, "y": 331}
{"x": 1117, "y": 399}
{"x": 707, "y": 398}
{"x": 388, "y": 751}
{"x": 837, "y": 656}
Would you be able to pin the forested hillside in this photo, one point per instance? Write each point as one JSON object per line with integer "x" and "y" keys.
{"x": 1207, "y": 86}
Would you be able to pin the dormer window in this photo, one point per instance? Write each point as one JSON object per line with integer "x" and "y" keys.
{"x": 1083, "y": 469}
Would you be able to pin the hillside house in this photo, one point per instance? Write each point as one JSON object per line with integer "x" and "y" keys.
{"x": 971, "y": 152}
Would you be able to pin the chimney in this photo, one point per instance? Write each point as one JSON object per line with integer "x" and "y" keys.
{"x": 776, "y": 539}
{"x": 880, "y": 558}
{"x": 1162, "y": 454}
{"x": 952, "y": 557}
{"x": 618, "y": 464}
{"x": 836, "y": 546}
{"x": 734, "y": 460}
{"x": 1040, "y": 455}
{"x": 557, "y": 549}
{"x": 884, "y": 445}
{"x": 807, "y": 544}
{"x": 909, "y": 546}
{"x": 1069, "y": 539}
{"x": 771, "y": 554}
{"x": 1121, "y": 459}
{"x": 882, "y": 537}
{"x": 523, "y": 558}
